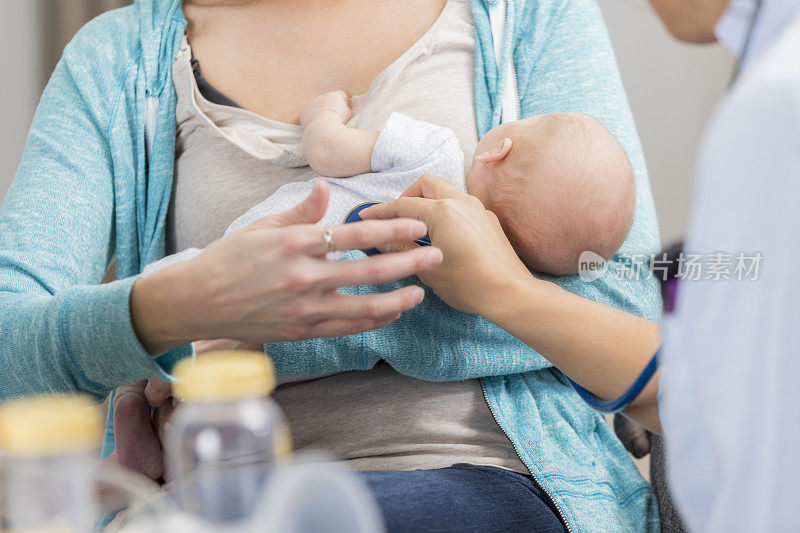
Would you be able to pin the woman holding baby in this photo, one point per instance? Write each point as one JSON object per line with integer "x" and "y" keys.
{"x": 167, "y": 120}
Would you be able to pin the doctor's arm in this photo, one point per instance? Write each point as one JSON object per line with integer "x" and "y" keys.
{"x": 600, "y": 347}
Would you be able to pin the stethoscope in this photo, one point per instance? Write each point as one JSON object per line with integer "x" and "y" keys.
{"x": 624, "y": 400}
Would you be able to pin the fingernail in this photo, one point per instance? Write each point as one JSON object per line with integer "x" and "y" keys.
{"x": 418, "y": 229}
{"x": 419, "y": 295}
{"x": 435, "y": 256}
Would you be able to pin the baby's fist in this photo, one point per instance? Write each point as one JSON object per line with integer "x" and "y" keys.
{"x": 335, "y": 101}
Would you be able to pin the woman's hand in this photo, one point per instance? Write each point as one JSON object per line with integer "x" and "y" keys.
{"x": 480, "y": 267}
{"x": 271, "y": 282}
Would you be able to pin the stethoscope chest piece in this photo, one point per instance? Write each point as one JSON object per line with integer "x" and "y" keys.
{"x": 355, "y": 216}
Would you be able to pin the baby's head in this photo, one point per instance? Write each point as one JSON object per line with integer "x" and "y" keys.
{"x": 560, "y": 183}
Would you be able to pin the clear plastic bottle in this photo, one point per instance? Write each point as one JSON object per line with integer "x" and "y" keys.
{"x": 49, "y": 451}
{"x": 226, "y": 436}
{"x": 316, "y": 494}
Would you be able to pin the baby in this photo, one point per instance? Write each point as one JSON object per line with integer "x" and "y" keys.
{"x": 560, "y": 183}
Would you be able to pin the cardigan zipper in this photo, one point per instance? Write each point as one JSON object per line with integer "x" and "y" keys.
{"x": 513, "y": 76}
{"x": 516, "y": 450}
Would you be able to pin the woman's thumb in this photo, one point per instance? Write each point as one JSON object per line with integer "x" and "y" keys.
{"x": 309, "y": 211}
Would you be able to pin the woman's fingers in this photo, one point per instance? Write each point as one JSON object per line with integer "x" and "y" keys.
{"x": 371, "y": 307}
{"x": 340, "y": 327}
{"x": 334, "y": 314}
{"x": 381, "y": 269}
{"x": 422, "y": 209}
{"x": 161, "y": 417}
{"x": 309, "y": 211}
{"x": 271, "y": 283}
{"x": 360, "y": 235}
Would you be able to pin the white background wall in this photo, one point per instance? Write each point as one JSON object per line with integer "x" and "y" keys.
{"x": 20, "y": 72}
{"x": 672, "y": 88}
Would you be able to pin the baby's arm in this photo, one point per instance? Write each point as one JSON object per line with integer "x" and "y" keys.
{"x": 330, "y": 147}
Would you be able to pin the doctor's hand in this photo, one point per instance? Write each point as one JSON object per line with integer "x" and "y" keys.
{"x": 480, "y": 267}
{"x": 271, "y": 282}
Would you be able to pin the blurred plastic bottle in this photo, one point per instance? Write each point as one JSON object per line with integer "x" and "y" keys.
{"x": 226, "y": 436}
{"x": 49, "y": 455}
{"x": 315, "y": 495}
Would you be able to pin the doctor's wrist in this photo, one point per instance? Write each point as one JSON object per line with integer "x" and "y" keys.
{"x": 510, "y": 300}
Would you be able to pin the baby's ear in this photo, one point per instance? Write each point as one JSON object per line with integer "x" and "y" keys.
{"x": 495, "y": 155}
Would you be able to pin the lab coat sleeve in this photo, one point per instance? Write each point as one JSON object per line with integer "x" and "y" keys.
{"x": 59, "y": 329}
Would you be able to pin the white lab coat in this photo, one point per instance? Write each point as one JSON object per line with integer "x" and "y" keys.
{"x": 729, "y": 404}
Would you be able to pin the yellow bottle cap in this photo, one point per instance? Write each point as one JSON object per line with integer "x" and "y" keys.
{"x": 49, "y": 425}
{"x": 224, "y": 376}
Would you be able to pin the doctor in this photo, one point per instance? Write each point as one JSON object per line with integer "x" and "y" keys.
{"x": 727, "y": 398}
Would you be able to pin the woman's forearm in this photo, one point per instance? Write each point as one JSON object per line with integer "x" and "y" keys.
{"x": 156, "y": 315}
{"x": 600, "y": 347}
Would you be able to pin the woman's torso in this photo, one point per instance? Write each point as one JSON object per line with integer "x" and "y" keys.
{"x": 376, "y": 419}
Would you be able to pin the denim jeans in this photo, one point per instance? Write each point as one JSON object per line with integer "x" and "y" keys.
{"x": 461, "y": 498}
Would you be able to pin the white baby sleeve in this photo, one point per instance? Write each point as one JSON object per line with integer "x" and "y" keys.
{"x": 164, "y": 262}
{"x": 406, "y": 143}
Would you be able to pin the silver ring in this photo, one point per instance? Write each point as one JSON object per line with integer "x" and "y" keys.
{"x": 328, "y": 234}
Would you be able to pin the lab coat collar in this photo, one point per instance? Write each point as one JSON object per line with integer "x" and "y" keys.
{"x": 733, "y": 27}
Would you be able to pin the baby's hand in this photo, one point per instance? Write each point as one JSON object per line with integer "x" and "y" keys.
{"x": 335, "y": 102}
